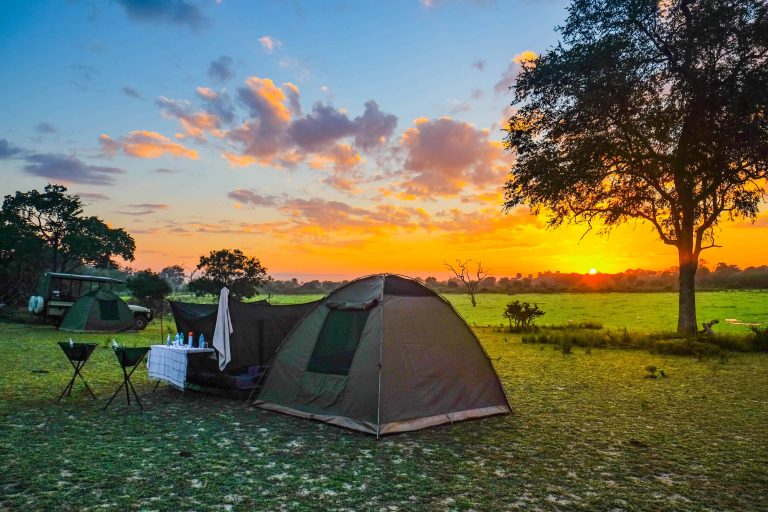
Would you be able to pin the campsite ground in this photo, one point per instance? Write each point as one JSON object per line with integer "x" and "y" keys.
{"x": 588, "y": 432}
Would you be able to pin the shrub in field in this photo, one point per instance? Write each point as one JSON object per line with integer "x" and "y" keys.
{"x": 581, "y": 325}
{"x": 686, "y": 347}
{"x": 654, "y": 372}
{"x": 521, "y": 314}
{"x": 760, "y": 339}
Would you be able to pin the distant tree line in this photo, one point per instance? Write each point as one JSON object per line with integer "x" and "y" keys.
{"x": 722, "y": 277}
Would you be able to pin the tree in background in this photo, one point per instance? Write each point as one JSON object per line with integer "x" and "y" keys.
{"x": 243, "y": 275}
{"x": 151, "y": 289}
{"x": 174, "y": 275}
{"x": 647, "y": 110}
{"x": 463, "y": 272}
{"x": 48, "y": 230}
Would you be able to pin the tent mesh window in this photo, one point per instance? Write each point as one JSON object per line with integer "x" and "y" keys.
{"x": 337, "y": 342}
{"x": 108, "y": 310}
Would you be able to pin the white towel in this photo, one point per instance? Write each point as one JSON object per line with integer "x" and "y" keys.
{"x": 223, "y": 330}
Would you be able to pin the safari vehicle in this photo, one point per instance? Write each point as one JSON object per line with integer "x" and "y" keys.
{"x": 56, "y": 293}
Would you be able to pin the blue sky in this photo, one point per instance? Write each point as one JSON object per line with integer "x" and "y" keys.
{"x": 326, "y": 138}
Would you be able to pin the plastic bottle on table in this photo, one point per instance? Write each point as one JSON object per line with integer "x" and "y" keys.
{"x": 168, "y": 340}
{"x": 191, "y": 338}
{"x": 71, "y": 343}
{"x": 201, "y": 343}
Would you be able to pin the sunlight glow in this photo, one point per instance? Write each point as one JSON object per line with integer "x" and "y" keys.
{"x": 592, "y": 271}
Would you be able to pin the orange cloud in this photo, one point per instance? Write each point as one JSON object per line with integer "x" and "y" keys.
{"x": 524, "y": 58}
{"x": 145, "y": 144}
{"x": 266, "y": 96}
{"x": 444, "y": 156}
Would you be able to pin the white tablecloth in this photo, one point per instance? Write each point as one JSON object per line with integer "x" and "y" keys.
{"x": 170, "y": 363}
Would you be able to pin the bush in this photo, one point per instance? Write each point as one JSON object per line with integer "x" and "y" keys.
{"x": 686, "y": 347}
{"x": 760, "y": 339}
{"x": 597, "y": 326}
{"x": 655, "y": 373}
{"x": 522, "y": 314}
{"x": 669, "y": 343}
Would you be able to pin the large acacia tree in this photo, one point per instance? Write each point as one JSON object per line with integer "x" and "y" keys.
{"x": 652, "y": 110}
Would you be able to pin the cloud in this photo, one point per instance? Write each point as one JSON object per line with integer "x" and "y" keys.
{"x": 344, "y": 162}
{"x": 222, "y": 69}
{"x": 278, "y": 134}
{"x": 144, "y": 208}
{"x": 458, "y": 106}
{"x": 93, "y": 196}
{"x": 176, "y": 12}
{"x": 45, "y": 128}
{"x": 316, "y": 215}
{"x": 323, "y": 126}
{"x": 69, "y": 169}
{"x": 150, "y": 206}
{"x": 443, "y": 156}
{"x": 326, "y": 124}
{"x": 270, "y": 44}
{"x": 374, "y": 127}
{"x": 132, "y": 93}
{"x": 515, "y": 67}
{"x": 8, "y": 150}
{"x": 145, "y": 144}
{"x": 477, "y": 94}
{"x": 163, "y": 170}
{"x": 479, "y": 64}
{"x": 263, "y": 135}
{"x": 217, "y": 103}
{"x": 251, "y": 197}
{"x": 194, "y": 124}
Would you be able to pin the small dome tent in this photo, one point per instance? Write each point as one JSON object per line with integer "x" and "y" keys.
{"x": 98, "y": 311}
{"x": 383, "y": 354}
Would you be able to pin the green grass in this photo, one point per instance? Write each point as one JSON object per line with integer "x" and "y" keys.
{"x": 588, "y": 432}
{"x": 638, "y": 312}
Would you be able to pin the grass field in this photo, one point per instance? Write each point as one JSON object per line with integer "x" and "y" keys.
{"x": 588, "y": 432}
{"x": 638, "y": 312}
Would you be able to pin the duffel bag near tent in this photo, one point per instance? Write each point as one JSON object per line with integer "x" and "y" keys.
{"x": 380, "y": 355}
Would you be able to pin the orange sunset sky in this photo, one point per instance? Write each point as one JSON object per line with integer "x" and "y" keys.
{"x": 328, "y": 139}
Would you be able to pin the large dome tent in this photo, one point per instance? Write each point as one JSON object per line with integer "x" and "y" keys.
{"x": 383, "y": 354}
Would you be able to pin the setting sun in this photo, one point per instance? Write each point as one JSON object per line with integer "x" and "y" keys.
{"x": 592, "y": 271}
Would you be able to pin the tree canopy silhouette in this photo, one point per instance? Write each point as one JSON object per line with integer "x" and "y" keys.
{"x": 243, "y": 275}
{"x": 652, "y": 110}
{"x": 70, "y": 239}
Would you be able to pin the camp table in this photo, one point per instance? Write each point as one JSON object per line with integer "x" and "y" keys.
{"x": 128, "y": 357}
{"x": 170, "y": 363}
{"x": 77, "y": 354}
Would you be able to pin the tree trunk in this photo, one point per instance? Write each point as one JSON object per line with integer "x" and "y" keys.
{"x": 686, "y": 316}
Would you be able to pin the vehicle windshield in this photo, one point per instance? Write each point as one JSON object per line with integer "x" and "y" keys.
{"x": 71, "y": 289}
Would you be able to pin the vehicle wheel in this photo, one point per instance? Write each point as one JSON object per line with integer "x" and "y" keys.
{"x": 140, "y": 322}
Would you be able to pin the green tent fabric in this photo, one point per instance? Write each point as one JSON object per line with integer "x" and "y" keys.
{"x": 98, "y": 311}
{"x": 383, "y": 354}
